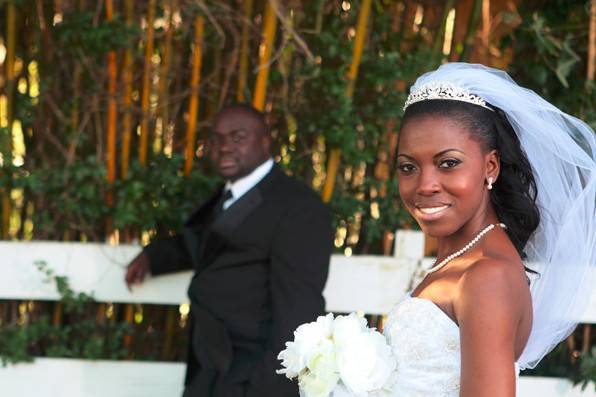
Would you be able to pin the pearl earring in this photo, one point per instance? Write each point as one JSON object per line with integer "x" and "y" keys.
{"x": 490, "y": 183}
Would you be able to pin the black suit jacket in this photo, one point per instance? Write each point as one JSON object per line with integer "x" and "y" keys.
{"x": 260, "y": 268}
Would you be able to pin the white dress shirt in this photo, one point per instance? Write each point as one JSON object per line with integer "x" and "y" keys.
{"x": 244, "y": 184}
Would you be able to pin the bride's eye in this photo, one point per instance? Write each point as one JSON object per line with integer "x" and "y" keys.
{"x": 406, "y": 168}
{"x": 449, "y": 163}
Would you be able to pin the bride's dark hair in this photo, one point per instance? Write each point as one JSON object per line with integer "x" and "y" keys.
{"x": 513, "y": 195}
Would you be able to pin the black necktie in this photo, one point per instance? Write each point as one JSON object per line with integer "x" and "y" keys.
{"x": 219, "y": 207}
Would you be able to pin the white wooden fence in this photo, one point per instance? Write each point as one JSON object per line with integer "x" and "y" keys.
{"x": 368, "y": 283}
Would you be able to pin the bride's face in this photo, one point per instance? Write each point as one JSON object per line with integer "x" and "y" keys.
{"x": 442, "y": 173}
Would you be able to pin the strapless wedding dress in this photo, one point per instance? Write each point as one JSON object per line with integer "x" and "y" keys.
{"x": 426, "y": 345}
{"x": 425, "y": 342}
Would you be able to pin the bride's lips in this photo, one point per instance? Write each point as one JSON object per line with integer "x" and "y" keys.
{"x": 430, "y": 212}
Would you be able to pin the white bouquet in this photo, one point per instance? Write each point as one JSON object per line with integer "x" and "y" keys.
{"x": 340, "y": 357}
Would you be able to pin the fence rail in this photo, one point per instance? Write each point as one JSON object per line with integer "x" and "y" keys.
{"x": 371, "y": 284}
{"x": 359, "y": 283}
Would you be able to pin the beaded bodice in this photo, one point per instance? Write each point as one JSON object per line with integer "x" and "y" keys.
{"x": 426, "y": 345}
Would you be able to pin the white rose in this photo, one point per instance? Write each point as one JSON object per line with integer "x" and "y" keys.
{"x": 365, "y": 363}
{"x": 322, "y": 360}
{"x": 322, "y": 376}
{"x": 345, "y": 328}
{"x": 292, "y": 361}
{"x": 309, "y": 336}
{"x": 312, "y": 385}
{"x": 307, "y": 340}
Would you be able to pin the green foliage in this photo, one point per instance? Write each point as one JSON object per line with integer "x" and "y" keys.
{"x": 83, "y": 34}
{"x": 73, "y": 199}
{"x": 81, "y": 336}
{"x": 587, "y": 369}
{"x": 159, "y": 196}
{"x": 14, "y": 343}
{"x": 553, "y": 43}
{"x": 557, "y": 364}
{"x": 324, "y": 117}
{"x": 70, "y": 199}
{"x": 311, "y": 117}
{"x": 549, "y": 47}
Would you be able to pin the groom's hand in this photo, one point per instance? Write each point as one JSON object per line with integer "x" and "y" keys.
{"x": 137, "y": 270}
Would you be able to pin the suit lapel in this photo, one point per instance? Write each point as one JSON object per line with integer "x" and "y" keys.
{"x": 202, "y": 215}
{"x": 195, "y": 231}
{"x": 229, "y": 219}
{"x": 232, "y": 217}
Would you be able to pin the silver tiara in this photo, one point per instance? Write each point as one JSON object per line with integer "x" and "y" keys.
{"x": 443, "y": 90}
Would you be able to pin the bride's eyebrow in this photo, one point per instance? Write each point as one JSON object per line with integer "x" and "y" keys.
{"x": 443, "y": 152}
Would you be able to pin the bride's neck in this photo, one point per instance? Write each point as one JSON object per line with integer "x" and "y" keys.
{"x": 449, "y": 244}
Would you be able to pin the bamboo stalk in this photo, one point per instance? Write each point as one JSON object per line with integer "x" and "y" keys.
{"x": 463, "y": 12}
{"x": 382, "y": 173}
{"x": 179, "y": 84}
{"x": 112, "y": 113}
{"x": 171, "y": 313}
{"x": 164, "y": 74}
{"x": 193, "y": 105}
{"x": 100, "y": 314}
{"x": 269, "y": 28}
{"x": 335, "y": 153}
{"x": 57, "y": 314}
{"x": 571, "y": 346}
{"x": 332, "y": 167}
{"x": 75, "y": 117}
{"x": 592, "y": 43}
{"x": 144, "y": 137}
{"x": 406, "y": 31}
{"x": 471, "y": 32}
{"x": 439, "y": 35}
{"x": 485, "y": 31}
{"x": 320, "y": 16}
{"x": 128, "y": 81}
{"x": 213, "y": 91}
{"x": 284, "y": 67}
{"x": 244, "y": 48}
{"x": 128, "y": 339}
{"x": 363, "y": 18}
{"x": 9, "y": 63}
{"x": 586, "y": 338}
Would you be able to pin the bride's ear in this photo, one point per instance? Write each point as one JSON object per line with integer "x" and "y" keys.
{"x": 492, "y": 165}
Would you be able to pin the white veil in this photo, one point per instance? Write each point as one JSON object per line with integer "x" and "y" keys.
{"x": 562, "y": 152}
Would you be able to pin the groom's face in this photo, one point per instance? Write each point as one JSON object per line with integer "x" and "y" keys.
{"x": 238, "y": 144}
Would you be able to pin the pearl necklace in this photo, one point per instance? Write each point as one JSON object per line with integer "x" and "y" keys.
{"x": 454, "y": 255}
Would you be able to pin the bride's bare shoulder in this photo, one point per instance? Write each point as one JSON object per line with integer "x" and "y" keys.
{"x": 496, "y": 285}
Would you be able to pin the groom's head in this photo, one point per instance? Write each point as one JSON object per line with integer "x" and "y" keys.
{"x": 239, "y": 141}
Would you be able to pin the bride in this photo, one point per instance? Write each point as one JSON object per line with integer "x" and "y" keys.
{"x": 507, "y": 184}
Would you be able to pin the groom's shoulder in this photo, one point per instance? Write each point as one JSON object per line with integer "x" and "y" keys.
{"x": 292, "y": 189}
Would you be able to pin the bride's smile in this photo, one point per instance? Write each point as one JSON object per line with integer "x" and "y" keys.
{"x": 441, "y": 172}
{"x": 429, "y": 212}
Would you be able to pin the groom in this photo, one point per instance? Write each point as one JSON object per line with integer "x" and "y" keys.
{"x": 260, "y": 251}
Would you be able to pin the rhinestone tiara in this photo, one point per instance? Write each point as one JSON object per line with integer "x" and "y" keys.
{"x": 443, "y": 90}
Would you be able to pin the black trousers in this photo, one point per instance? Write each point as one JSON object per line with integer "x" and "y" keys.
{"x": 211, "y": 383}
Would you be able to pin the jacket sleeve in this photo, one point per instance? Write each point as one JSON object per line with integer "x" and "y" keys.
{"x": 168, "y": 255}
{"x": 300, "y": 257}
